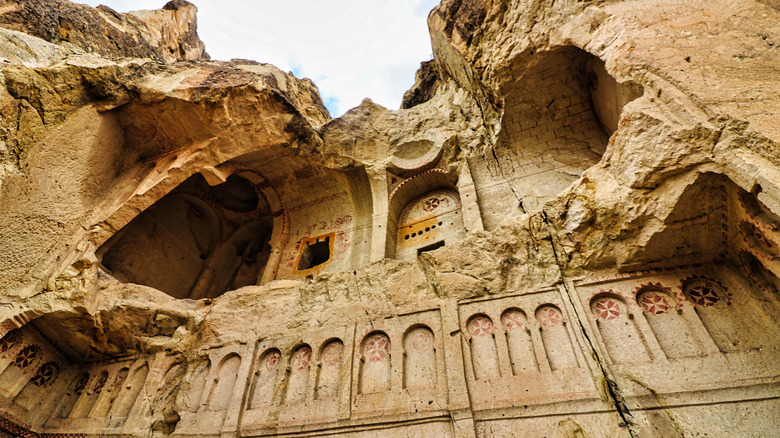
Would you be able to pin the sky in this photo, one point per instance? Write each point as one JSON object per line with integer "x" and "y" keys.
{"x": 352, "y": 49}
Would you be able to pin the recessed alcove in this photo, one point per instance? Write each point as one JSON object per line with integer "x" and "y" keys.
{"x": 198, "y": 241}
{"x": 559, "y": 109}
{"x": 425, "y": 214}
{"x": 713, "y": 219}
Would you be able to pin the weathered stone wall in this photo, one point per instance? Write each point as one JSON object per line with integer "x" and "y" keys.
{"x": 571, "y": 230}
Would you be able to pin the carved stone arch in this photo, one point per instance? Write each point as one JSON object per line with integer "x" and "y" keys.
{"x": 169, "y": 386}
{"x": 128, "y": 396}
{"x": 265, "y": 378}
{"x": 618, "y": 329}
{"x": 179, "y": 227}
{"x": 518, "y": 340}
{"x": 192, "y": 399}
{"x": 731, "y": 324}
{"x": 555, "y": 337}
{"x": 225, "y": 382}
{"x": 420, "y": 369}
{"x": 375, "y": 364}
{"x": 664, "y": 317}
{"x": 428, "y": 220}
{"x": 73, "y": 392}
{"x": 110, "y": 393}
{"x": 280, "y": 234}
{"x": 17, "y": 321}
{"x": 20, "y": 370}
{"x": 37, "y": 388}
{"x": 329, "y": 369}
{"x": 299, "y": 372}
{"x": 484, "y": 353}
{"x": 10, "y": 342}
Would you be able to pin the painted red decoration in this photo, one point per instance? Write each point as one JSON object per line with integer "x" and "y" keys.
{"x": 480, "y": 326}
{"x": 549, "y": 317}
{"x": 82, "y": 384}
{"x": 101, "y": 382}
{"x": 431, "y": 204}
{"x": 513, "y": 319}
{"x": 655, "y": 303}
{"x": 272, "y": 360}
{"x": 702, "y": 293}
{"x": 118, "y": 381}
{"x": 46, "y": 375}
{"x": 10, "y": 341}
{"x": 301, "y": 358}
{"x": 331, "y": 354}
{"x": 27, "y": 356}
{"x": 377, "y": 348}
{"x": 421, "y": 341}
{"x": 607, "y": 309}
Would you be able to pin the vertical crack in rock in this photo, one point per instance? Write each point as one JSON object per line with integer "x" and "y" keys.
{"x": 611, "y": 386}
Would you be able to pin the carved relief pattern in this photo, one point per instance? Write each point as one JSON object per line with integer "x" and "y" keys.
{"x": 512, "y": 319}
{"x": 549, "y": 317}
{"x": 10, "y": 341}
{"x": 301, "y": 358}
{"x": 702, "y": 293}
{"x": 655, "y": 303}
{"x": 46, "y": 375}
{"x": 480, "y": 326}
{"x": 607, "y": 309}
{"x": 27, "y": 356}
{"x": 377, "y": 348}
{"x": 331, "y": 354}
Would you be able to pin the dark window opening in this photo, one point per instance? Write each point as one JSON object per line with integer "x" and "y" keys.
{"x": 314, "y": 254}
{"x": 430, "y": 247}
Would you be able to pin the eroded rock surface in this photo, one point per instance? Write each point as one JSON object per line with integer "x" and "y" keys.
{"x": 570, "y": 229}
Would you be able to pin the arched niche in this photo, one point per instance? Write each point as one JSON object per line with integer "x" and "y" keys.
{"x": 37, "y": 389}
{"x": 670, "y": 328}
{"x": 420, "y": 359}
{"x": 72, "y": 394}
{"x": 329, "y": 370}
{"x": 619, "y": 332}
{"x": 555, "y": 337}
{"x": 89, "y": 396}
{"x": 110, "y": 393}
{"x": 375, "y": 365}
{"x": 484, "y": 354}
{"x": 518, "y": 341}
{"x": 559, "y": 108}
{"x": 191, "y": 400}
{"x": 198, "y": 241}
{"x": 223, "y": 386}
{"x": 298, "y": 379}
{"x": 733, "y": 323}
{"x": 425, "y": 213}
{"x": 265, "y": 378}
{"x": 9, "y": 344}
{"x": 21, "y": 369}
{"x": 128, "y": 395}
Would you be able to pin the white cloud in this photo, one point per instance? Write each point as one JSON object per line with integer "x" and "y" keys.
{"x": 352, "y": 49}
